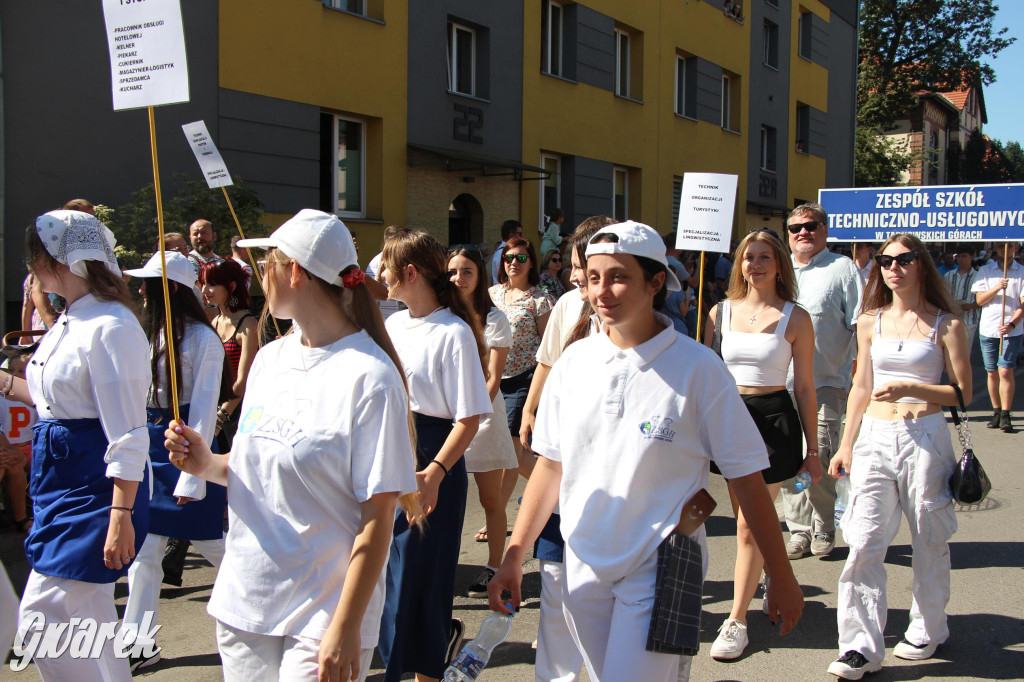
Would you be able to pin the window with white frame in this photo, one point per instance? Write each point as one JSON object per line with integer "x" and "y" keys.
{"x": 350, "y": 179}
{"x": 551, "y": 190}
{"x": 770, "y": 37}
{"x": 620, "y": 193}
{"x": 353, "y": 6}
{"x": 553, "y": 38}
{"x": 621, "y": 63}
{"x": 461, "y": 59}
{"x": 686, "y": 86}
{"x": 726, "y": 101}
{"x": 805, "y": 35}
{"x": 768, "y": 148}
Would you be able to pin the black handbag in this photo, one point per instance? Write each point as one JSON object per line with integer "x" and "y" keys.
{"x": 969, "y": 483}
{"x": 716, "y": 337}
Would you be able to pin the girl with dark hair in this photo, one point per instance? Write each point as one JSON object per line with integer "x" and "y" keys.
{"x": 491, "y": 453}
{"x": 223, "y": 285}
{"x": 322, "y": 455}
{"x": 898, "y": 454}
{"x": 90, "y": 485}
{"x": 439, "y": 341}
{"x": 763, "y": 332}
{"x": 527, "y": 309}
{"x": 183, "y": 506}
{"x": 628, "y": 423}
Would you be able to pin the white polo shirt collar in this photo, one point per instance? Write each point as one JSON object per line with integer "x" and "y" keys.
{"x": 644, "y": 354}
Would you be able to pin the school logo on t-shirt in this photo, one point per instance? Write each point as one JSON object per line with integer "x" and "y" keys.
{"x": 251, "y": 418}
{"x": 658, "y": 428}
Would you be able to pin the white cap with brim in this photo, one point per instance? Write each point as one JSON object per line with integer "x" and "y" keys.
{"x": 635, "y": 239}
{"x": 179, "y": 268}
{"x": 317, "y": 241}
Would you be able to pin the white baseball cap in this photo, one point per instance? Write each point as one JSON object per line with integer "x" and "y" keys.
{"x": 317, "y": 241}
{"x": 179, "y": 268}
{"x": 635, "y": 239}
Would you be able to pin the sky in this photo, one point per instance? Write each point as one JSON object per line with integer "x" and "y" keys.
{"x": 1004, "y": 99}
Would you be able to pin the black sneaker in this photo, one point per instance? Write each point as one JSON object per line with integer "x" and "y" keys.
{"x": 993, "y": 423}
{"x": 1005, "y": 424}
{"x": 479, "y": 587}
{"x": 141, "y": 660}
{"x": 454, "y": 641}
{"x": 853, "y": 666}
{"x": 173, "y": 563}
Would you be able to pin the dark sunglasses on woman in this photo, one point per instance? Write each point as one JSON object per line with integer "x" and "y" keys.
{"x": 904, "y": 259}
{"x": 513, "y": 257}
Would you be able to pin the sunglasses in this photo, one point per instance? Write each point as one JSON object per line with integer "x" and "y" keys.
{"x": 810, "y": 227}
{"x": 904, "y": 259}
{"x": 521, "y": 257}
{"x": 556, "y": 260}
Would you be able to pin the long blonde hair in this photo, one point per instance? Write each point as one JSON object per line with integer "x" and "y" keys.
{"x": 785, "y": 281}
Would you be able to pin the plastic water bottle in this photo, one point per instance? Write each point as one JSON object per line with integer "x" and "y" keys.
{"x": 474, "y": 656}
{"x": 842, "y": 497}
{"x": 802, "y": 482}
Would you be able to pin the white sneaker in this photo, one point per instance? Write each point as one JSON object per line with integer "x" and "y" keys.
{"x": 912, "y": 652}
{"x": 731, "y": 640}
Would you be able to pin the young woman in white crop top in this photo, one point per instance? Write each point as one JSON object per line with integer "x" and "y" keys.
{"x": 762, "y": 331}
{"x": 898, "y": 454}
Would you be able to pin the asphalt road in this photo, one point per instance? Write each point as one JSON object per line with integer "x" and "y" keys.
{"x": 987, "y": 640}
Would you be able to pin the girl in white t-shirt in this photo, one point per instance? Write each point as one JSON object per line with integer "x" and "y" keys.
{"x": 441, "y": 348}
{"x": 321, "y": 456}
{"x": 491, "y": 453}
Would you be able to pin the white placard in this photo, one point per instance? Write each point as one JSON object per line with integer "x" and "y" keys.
{"x": 210, "y": 162}
{"x": 706, "y": 208}
{"x": 147, "y": 52}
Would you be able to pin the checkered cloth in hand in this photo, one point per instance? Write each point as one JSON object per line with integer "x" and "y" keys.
{"x": 675, "y": 620}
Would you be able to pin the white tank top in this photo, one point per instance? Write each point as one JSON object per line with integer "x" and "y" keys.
{"x": 757, "y": 359}
{"x": 918, "y": 360}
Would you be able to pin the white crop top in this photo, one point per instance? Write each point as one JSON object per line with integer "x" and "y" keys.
{"x": 920, "y": 361}
{"x": 757, "y": 359}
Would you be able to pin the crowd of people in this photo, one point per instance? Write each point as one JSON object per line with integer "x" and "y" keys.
{"x": 324, "y": 471}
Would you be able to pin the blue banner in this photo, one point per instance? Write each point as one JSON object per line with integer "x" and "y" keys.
{"x": 949, "y": 213}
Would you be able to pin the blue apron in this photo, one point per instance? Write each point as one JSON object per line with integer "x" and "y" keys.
{"x": 199, "y": 520}
{"x": 71, "y": 498}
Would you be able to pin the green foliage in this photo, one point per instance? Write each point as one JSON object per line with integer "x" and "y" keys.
{"x": 908, "y": 46}
{"x": 983, "y": 162}
{"x": 135, "y": 224}
{"x": 878, "y": 161}
{"x": 1014, "y": 155}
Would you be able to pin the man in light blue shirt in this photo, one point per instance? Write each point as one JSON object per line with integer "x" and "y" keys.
{"x": 830, "y": 290}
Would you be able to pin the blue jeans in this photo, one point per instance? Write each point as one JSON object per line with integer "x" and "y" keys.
{"x": 990, "y": 351}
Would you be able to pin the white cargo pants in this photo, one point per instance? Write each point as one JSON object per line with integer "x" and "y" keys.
{"x": 898, "y": 466}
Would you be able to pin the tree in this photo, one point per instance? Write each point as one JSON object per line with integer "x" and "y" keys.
{"x": 878, "y": 161}
{"x": 135, "y": 225}
{"x": 983, "y": 162}
{"x": 1015, "y": 157}
{"x": 910, "y": 46}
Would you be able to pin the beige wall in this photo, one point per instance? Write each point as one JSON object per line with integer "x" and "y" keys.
{"x": 430, "y": 191}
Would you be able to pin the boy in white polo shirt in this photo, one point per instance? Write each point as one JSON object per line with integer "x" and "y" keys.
{"x": 627, "y": 427}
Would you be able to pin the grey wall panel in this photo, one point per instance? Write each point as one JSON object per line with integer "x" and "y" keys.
{"x": 819, "y": 41}
{"x": 842, "y": 89}
{"x": 709, "y": 92}
{"x": 290, "y": 198}
{"x": 246, "y": 106}
{"x": 62, "y": 138}
{"x": 570, "y": 32}
{"x": 769, "y": 105}
{"x": 846, "y": 10}
{"x": 592, "y": 194}
{"x": 818, "y": 138}
{"x": 595, "y": 48}
{"x": 265, "y": 138}
{"x": 493, "y": 127}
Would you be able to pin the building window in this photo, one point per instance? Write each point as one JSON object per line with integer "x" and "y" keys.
{"x": 726, "y": 101}
{"x": 620, "y": 193}
{"x": 677, "y": 193}
{"x": 551, "y": 57}
{"x": 551, "y": 191}
{"x": 770, "y": 37}
{"x": 350, "y": 162}
{"x": 621, "y": 63}
{"x": 461, "y": 59}
{"x": 804, "y": 35}
{"x": 353, "y": 6}
{"x": 803, "y": 128}
{"x": 686, "y": 86}
{"x": 767, "y": 148}
{"x": 934, "y": 158}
